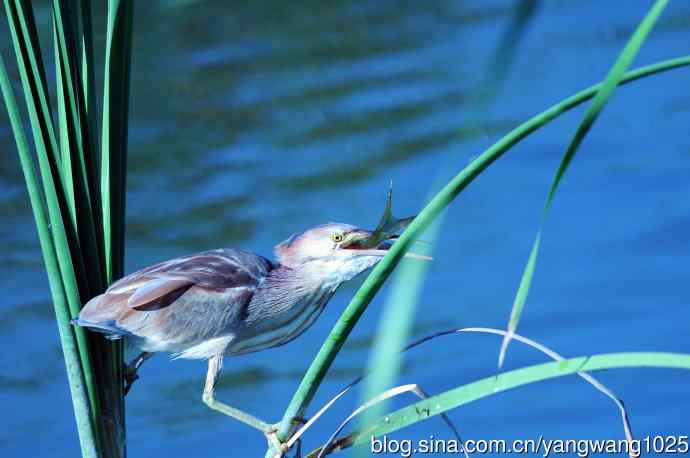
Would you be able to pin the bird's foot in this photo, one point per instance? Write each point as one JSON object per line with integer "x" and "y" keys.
{"x": 279, "y": 448}
{"x": 130, "y": 375}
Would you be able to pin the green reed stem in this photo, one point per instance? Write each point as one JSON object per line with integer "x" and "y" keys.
{"x": 70, "y": 175}
{"x": 602, "y": 96}
{"x": 335, "y": 340}
{"x": 489, "y": 386}
{"x": 70, "y": 347}
{"x": 27, "y": 50}
{"x": 114, "y": 158}
{"x": 385, "y": 357}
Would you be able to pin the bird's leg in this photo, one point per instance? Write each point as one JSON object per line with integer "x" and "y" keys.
{"x": 130, "y": 372}
{"x": 215, "y": 364}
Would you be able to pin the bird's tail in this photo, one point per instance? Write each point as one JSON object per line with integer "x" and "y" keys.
{"x": 109, "y": 328}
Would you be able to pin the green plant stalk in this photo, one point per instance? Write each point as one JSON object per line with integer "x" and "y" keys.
{"x": 88, "y": 77}
{"x": 69, "y": 175}
{"x": 76, "y": 130}
{"x": 27, "y": 49}
{"x": 335, "y": 340}
{"x": 75, "y": 127}
{"x": 25, "y": 40}
{"x": 489, "y": 386}
{"x": 70, "y": 349}
{"x": 28, "y": 54}
{"x": 385, "y": 358}
{"x": 114, "y": 160}
{"x": 65, "y": 140}
{"x": 602, "y": 96}
{"x": 65, "y": 156}
{"x": 114, "y": 134}
{"x": 85, "y": 38}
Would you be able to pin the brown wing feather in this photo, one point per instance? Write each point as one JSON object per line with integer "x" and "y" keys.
{"x": 216, "y": 269}
{"x": 161, "y": 285}
{"x": 158, "y": 293}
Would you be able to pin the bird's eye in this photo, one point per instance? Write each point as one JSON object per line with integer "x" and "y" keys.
{"x": 337, "y": 237}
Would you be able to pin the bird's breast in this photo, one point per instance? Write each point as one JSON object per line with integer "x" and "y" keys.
{"x": 282, "y": 325}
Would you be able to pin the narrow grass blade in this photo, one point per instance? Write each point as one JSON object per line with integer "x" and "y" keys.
{"x": 64, "y": 141}
{"x": 627, "y": 429}
{"x": 489, "y": 386}
{"x": 314, "y": 418}
{"x": 23, "y": 31}
{"x": 332, "y": 345}
{"x": 70, "y": 348}
{"x": 401, "y": 304}
{"x": 27, "y": 50}
{"x": 426, "y": 339}
{"x": 396, "y": 321}
{"x": 88, "y": 81}
{"x": 114, "y": 132}
{"x": 602, "y": 96}
{"x": 113, "y": 165}
{"x": 377, "y": 400}
{"x": 69, "y": 175}
{"x": 28, "y": 53}
{"x": 74, "y": 127}
{"x": 24, "y": 35}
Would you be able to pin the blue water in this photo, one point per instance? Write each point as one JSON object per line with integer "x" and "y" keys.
{"x": 251, "y": 122}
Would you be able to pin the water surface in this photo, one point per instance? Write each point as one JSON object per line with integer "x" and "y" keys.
{"x": 254, "y": 121}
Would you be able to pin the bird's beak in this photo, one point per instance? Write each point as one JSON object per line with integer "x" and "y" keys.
{"x": 379, "y": 241}
{"x": 358, "y": 240}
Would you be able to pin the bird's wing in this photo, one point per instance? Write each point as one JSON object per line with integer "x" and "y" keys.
{"x": 160, "y": 285}
{"x": 158, "y": 292}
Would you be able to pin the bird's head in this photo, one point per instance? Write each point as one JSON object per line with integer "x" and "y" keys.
{"x": 340, "y": 250}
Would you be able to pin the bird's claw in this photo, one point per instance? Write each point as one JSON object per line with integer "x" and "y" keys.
{"x": 275, "y": 444}
{"x": 281, "y": 448}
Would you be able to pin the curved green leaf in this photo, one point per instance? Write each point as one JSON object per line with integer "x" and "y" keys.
{"x": 25, "y": 41}
{"x": 435, "y": 405}
{"x": 335, "y": 340}
{"x": 602, "y": 96}
{"x": 398, "y": 313}
{"x": 80, "y": 396}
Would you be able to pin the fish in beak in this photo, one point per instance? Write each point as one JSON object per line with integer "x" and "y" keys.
{"x": 379, "y": 241}
{"x": 360, "y": 240}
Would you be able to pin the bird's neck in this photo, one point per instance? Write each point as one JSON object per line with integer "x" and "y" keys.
{"x": 286, "y": 303}
{"x": 306, "y": 277}
{"x": 287, "y": 293}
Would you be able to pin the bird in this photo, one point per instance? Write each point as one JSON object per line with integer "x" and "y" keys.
{"x": 228, "y": 302}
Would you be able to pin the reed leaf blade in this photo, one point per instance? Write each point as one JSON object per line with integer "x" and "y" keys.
{"x": 397, "y": 318}
{"x": 489, "y": 386}
{"x": 611, "y": 82}
{"x": 65, "y": 241}
{"x": 75, "y": 134}
{"x": 114, "y": 132}
{"x": 332, "y": 345}
{"x": 80, "y": 396}
{"x": 113, "y": 163}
